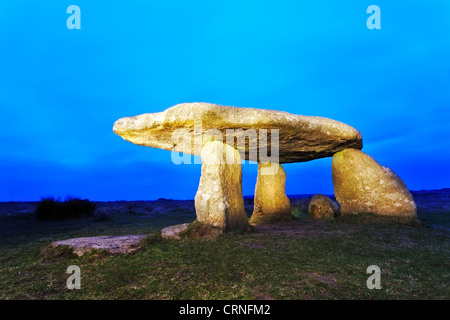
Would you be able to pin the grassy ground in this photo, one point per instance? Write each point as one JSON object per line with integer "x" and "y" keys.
{"x": 300, "y": 260}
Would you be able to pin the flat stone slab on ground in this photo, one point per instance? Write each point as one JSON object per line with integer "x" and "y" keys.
{"x": 113, "y": 244}
{"x": 173, "y": 232}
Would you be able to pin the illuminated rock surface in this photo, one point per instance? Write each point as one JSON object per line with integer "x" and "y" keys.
{"x": 322, "y": 207}
{"x": 301, "y": 138}
{"x": 219, "y": 201}
{"x": 271, "y": 203}
{"x": 173, "y": 232}
{"x": 362, "y": 185}
{"x": 253, "y": 134}
{"x": 113, "y": 244}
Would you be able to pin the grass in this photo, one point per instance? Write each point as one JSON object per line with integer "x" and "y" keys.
{"x": 201, "y": 231}
{"x": 329, "y": 265}
{"x": 373, "y": 219}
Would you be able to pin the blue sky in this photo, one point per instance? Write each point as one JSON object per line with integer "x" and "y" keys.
{"x": 61, "y": 90}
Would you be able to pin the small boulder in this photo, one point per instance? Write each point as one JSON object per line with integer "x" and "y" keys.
{"x": 362, "y": 185}
{"x": 322, "y": 207}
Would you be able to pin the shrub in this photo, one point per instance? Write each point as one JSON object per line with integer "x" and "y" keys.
{"x": 52, "y": 209}
{"x": 299, "y": 207}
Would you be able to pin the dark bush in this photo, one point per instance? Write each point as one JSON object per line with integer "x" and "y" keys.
{"x": 52, "y": 209}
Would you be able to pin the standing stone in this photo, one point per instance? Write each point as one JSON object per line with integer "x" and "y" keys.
{"x": 219, "y": 201}
{"x": 322, "y": 207}
{"x": 271, "y": 203}
{"x": 363, "y": 185}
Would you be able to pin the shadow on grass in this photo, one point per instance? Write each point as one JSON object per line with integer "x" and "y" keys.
{"x": 374, "y": 219}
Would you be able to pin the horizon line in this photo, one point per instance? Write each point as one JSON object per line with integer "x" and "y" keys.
{"x": 245, "y": 196}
